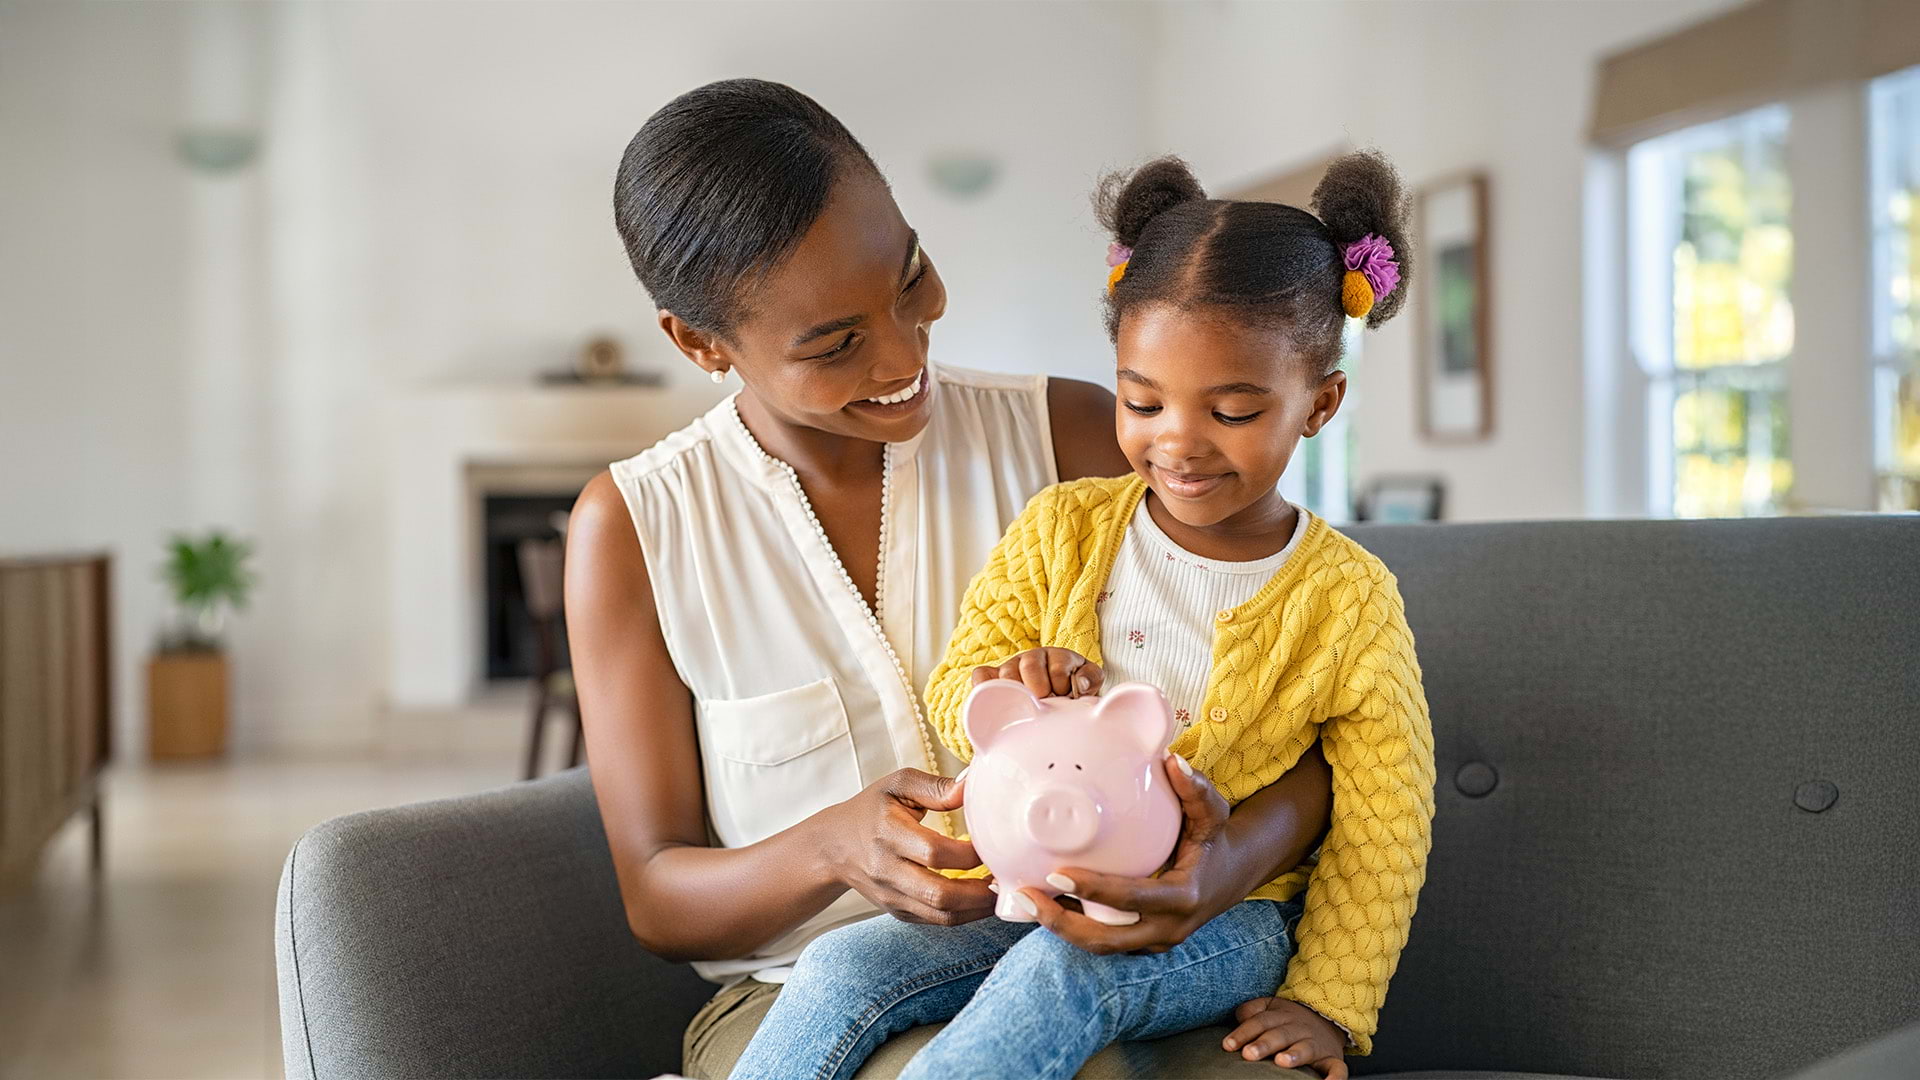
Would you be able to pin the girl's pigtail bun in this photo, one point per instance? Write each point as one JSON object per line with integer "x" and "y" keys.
{"x": 1125, "y": 202}
{"x": 1360, "y": 196}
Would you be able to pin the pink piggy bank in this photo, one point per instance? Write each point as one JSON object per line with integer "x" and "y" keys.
{"x": 1059, "y": 782}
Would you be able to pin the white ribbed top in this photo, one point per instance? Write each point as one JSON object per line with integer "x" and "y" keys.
{"x": 1157, "y": 613}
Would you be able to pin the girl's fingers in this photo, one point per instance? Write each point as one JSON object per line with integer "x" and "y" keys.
{"x": 1333, "y": 1068}
{"x": 1300, "y": 1047}
{"x": 1092, "y": 678}
{"x": 1034, "y": 673}
{"x": 1251, "y": 1028}
{"x": 1278, "y": 1042}
{"x": 1060, "y": 670}
{"x": 1247, "y": 1010}
{"x": 983, "y": 674}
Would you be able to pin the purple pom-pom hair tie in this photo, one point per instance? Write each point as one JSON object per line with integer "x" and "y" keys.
{"x": 1372, "y": 257}
{"x": 1118, "y": 253}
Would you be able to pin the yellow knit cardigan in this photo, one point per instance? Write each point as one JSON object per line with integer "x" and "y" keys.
{"x": 1322, "y": 650}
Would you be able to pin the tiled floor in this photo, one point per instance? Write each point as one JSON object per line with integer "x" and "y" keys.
{"x": 164, "y": 967}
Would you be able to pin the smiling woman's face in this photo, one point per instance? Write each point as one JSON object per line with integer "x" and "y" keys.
{"x": 1210, "y": 412}
{"x": 844, "y": 320}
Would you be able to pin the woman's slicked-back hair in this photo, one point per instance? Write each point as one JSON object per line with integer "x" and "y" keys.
{"x": 1263, "y": 263}
{"x": 717, "y": 188}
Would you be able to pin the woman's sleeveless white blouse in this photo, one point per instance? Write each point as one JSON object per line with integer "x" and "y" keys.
{"x": 802, "y": 696}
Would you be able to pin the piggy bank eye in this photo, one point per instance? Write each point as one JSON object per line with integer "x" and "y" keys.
{"x": 1076, "y": 766}
{"x": 1049, "y": 764}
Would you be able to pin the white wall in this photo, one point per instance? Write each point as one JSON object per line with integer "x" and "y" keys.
{"x": 432, "y": 207}
{"x": 94, "y": 310}
{"x": 1246, "y": 89}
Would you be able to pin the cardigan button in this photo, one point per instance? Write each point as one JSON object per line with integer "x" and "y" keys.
{"x": 1223, "y": 616}
{"x": 1219, "y": 714}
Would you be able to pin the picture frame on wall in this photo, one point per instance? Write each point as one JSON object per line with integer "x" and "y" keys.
{"x": 1453, "y": 295}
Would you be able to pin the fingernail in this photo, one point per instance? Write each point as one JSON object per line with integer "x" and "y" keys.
{"x": 993, "y": 887}
{"x": 1182, "y": 762}
{"x": 1231, "y": 1045}
{"x": 1025, "y": 903}
{"x": 1084, "y": 683}
{"x": 1061, "y": 882}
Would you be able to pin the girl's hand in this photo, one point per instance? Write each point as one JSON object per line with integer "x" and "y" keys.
{"x": 1170, "y": 906}
{"x": 1289, "y": 1033}
{"x": 1048, "y": 673}
{"x": 875, "y": 844}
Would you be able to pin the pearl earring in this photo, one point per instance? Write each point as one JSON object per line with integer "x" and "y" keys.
{"x": 718, "y": 375}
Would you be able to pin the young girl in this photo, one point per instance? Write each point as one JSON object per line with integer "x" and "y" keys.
{"x": 1265, "y": 627}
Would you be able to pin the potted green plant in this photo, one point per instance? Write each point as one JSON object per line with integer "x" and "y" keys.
{"x": 187, "y": 677}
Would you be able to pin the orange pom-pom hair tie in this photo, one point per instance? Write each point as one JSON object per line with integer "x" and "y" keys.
{"x": 1356, "y": 294}
{"x": 1118, "y": 255}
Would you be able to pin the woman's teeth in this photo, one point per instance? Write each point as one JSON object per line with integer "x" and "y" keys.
{"x": 908, "y": 394}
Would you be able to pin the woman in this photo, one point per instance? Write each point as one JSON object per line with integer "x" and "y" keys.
{"x": 753, "y": 603}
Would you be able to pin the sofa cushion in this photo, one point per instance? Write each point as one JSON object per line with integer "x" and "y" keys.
{"x": 1679, "y": 794}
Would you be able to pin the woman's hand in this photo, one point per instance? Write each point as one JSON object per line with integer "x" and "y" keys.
{"x": 1171, "y": 906}
{"x": 1289, "y": 1033}
{"x": 875, "y": 843}
{"x": 1048, "y": 673}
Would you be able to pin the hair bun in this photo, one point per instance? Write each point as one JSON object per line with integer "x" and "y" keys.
{"x": 1360, "y": 194}
{"x": 1125, "y": 202}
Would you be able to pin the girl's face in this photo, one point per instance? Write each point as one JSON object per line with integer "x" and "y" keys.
{"x": 842, "y": 321}
{"x": 1209, "y": 412}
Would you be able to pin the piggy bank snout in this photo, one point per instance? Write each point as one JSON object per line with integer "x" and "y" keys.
{"x": 1063, "y": 820}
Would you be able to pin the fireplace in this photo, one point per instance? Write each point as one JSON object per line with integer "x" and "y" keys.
{"x": 506, "y": 521}
{"x": 450, "y": 449}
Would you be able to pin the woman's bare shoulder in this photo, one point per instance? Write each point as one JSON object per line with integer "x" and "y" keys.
{"x": 1081, "y": 416}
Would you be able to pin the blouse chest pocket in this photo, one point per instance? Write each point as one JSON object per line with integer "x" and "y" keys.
{"x": 773, "y": 760}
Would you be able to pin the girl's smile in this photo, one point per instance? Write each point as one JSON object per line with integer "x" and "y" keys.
{"x": 1209, "y": 414}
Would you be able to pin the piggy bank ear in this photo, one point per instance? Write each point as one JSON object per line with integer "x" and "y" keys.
{"x": 995, "y": 705}
{"x": 1142, "y": 711}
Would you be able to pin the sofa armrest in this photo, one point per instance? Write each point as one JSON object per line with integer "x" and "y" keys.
{"x": 475, "y": 936}
{"x": 1893, "y": 1056}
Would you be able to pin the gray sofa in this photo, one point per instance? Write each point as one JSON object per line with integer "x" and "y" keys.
{"x": 1678, "y": 835}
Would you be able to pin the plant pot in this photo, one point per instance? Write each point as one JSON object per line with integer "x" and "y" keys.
{"x": 187, "y": 705}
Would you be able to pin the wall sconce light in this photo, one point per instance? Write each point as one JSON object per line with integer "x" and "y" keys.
{"x": 963, "y": 176}
{"x": 217, "y": 151}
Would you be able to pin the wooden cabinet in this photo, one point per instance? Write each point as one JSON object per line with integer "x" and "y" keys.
{"x": 55, "y": 699}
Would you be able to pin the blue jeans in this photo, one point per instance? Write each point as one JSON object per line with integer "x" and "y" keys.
{"x": 1021, "y": 1001}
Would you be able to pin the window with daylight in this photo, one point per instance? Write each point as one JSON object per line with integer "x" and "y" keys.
{"x": 1320, "y": 477}
{"x": 1711, "y": 259}
{"x": 1894, "y": 149}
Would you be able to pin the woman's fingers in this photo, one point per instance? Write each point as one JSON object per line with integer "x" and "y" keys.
{"x": 1199, "y": 799}
{"x": 1172, "y": 895}
{"x": 1076, "y": 928}
{"x": 982, "y": 674}
{"x": 928, "y": 897}
{"x": 923, "y": 790}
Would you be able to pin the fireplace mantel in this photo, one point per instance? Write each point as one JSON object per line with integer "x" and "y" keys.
{"x": 439, "y": 438}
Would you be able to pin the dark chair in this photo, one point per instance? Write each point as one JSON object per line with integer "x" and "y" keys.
{"x": 541, "y": 565}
